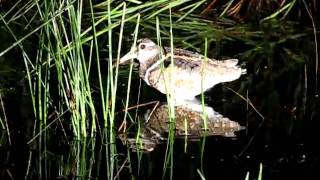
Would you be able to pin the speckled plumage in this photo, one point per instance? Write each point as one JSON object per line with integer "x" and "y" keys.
{"x": 189, "y": 74}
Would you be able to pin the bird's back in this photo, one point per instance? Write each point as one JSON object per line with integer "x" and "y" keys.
{"x": 191, "y": 73}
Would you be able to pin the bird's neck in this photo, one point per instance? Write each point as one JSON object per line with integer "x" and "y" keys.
{"x": 149, "y": 63}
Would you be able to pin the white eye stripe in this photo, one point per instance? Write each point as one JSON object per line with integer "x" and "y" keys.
{"x": 145, "y": 47}
{"x": 147, "y": 51}
{"x": 148, "y": 44}
{"x": 151, "y": 47}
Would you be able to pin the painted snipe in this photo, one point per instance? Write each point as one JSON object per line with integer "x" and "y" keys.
{"x": 183, "y": 73}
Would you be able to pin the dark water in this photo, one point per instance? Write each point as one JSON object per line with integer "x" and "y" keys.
{"x": 280, "y": 82}
{"x": 285, "y": 142}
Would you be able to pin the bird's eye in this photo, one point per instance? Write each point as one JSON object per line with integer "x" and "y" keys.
{"x": 142, "y": 46}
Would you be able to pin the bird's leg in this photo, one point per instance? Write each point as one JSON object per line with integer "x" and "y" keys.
{"x": 123, "y": 126}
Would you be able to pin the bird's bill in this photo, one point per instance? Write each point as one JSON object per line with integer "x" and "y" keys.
{"x": 130, "y": 55}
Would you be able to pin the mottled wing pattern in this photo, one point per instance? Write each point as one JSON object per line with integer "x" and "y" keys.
{"x": 182, "y": 52}
{"x": 191, "y": 74}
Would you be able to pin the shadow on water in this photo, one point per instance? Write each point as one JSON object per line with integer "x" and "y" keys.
{"x": 277, "y": 102}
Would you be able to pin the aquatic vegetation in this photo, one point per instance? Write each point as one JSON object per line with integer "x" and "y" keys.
{"x": 65, "y": 54}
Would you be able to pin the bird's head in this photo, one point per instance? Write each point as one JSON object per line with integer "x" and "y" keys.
{"x": 145, "y": 50}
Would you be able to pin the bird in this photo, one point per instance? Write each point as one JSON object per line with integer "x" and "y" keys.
{"x": 182, "y": 74}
